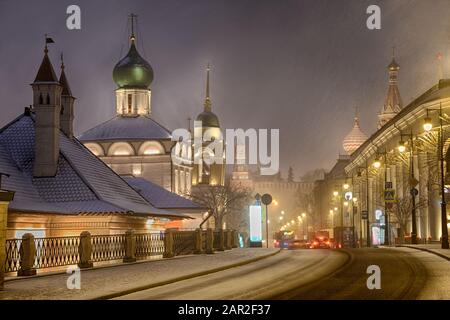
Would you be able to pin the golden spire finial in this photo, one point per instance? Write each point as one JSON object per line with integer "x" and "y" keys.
{"x": 132, "y": 17}
{"x": 207, "y": 103}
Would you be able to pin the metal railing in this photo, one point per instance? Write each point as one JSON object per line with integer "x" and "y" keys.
{"x": 107, "y": 248}
{"x": 12, "y": 261}
{"x": 56, "y": 251}
{"x": 149, "y": 245}
{"x": 204, "y": 240}
{"x": 62, "y": 251}
{"x": 183, "y": 242}
{"x": 216, "y": 242}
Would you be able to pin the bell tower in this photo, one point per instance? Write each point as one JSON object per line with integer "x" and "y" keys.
{"x": 47, "y": 107}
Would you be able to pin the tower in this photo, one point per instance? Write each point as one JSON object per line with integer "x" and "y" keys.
{"x": 47, "y": 107}
{"x": 393, "y": 103}
{"x": 209, "y": 164}
{"x": 133, "y": 76}
{"x": 67, "y": 103}
{"x": 355, "y": 138}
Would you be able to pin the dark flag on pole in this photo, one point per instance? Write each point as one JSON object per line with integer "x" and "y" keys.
{"x": 49, "y": 40}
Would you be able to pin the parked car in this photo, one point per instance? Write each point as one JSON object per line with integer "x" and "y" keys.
{"x": 320, "y": 243}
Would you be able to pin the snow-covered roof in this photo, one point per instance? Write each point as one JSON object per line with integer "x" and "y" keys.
{"x": 158, "y": 196}
{"x": 83, "y": 183}
{"x": 126, "y": 128}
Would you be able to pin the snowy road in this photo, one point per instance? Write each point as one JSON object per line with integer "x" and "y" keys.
{"x": 319, "y": 274}
{"x": 259, "y": 280}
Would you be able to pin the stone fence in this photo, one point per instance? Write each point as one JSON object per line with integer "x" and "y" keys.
{"x": 28, "y": 254}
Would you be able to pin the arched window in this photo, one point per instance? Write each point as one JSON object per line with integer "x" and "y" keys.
{"x": 151, "y": 148}
{"x": 120, "y": 149}
{"x": 95, "y": 148}
{"x": 130, "y": 103}
{"x": 41, "y": 100}
{"x": 48, "y": 99}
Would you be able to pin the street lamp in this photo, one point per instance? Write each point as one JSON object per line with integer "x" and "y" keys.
{"x": 401, "y": 146}
{"x": 413, "y": 191}
{"x": 427, "y": 127}
{"x": 427, "y": 124}
{"x": 366, "y": 168}
{"x": 377, "y": 164}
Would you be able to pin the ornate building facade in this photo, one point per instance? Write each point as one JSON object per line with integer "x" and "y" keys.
{"x": 394, "y": 175}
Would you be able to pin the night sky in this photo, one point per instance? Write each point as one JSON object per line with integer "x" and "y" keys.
{"x": 300, "y": 66}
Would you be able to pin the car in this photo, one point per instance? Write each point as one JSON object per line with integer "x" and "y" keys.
{"x": 321, "y": 243}
{"x": 298, "y": 244}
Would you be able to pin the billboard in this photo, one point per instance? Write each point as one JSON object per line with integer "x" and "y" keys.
{"x": 255, "y": 223}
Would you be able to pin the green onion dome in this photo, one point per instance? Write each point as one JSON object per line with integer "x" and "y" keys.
{"x": 133, "y": 71}
{"x": 208, "y": 119}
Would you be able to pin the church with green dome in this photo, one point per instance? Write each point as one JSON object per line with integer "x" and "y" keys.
{"x": 135, "y": 145}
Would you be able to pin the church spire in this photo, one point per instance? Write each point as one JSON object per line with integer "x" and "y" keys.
{"x": 133, "y": 17}
{"x": 207, "y": 103}
{"x": 46, "y": 73}
{"x": 63, "y": 79}
{"x": 393, "y": 102}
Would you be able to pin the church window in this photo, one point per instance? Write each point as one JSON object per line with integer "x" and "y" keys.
{"x": 151, "y": 148}
{"x": 48, "y": 99}
{"x": 120, "y": 149}
{"x": 130, "y": 103}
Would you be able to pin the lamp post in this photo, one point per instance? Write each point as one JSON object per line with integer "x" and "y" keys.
{"x": 266, "y": 199}
{"x": 366, "y": 168}
{"x": 377, "y": 165}
{"x": 401, "y": 149}
{"x": 354, "y": 208}
{"x": 427, "y": 127}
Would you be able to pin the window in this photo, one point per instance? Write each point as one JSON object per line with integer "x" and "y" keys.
{"x": 120, "y": 149}
{"x": 95, "y": 148}
{"x": 48, "y": 99}
{"x": 130, "y": 103}
{"x": 151, "y": 148}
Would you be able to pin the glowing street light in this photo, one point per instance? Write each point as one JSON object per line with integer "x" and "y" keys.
{"x": 401, "y": 146}
{"x": 427, "y": 125}
{"x": 335, "y": 193}
{"x": 377, "y": 164}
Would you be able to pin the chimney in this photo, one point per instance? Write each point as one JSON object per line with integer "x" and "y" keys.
{"x": 47, "y": 107}
{"x": 67, "y": 102}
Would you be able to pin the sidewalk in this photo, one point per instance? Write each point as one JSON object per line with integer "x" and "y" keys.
{"x": 432, "y": 248}
{"x": 125, "y": 278}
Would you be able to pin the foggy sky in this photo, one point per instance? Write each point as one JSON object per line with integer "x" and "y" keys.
{"x": 300, "y": 66}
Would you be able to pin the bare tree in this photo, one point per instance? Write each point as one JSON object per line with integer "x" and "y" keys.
{"x": 221, "y": 201}
{"x": 402, "y": 210}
